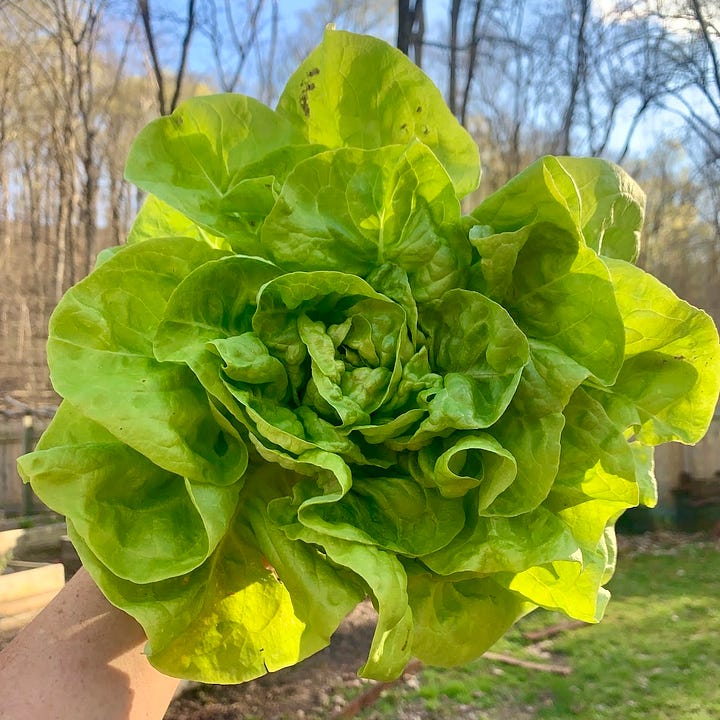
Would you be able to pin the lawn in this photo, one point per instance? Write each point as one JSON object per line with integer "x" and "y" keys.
{"x": 655, "y": 656}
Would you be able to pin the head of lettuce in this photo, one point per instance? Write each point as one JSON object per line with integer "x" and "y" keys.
{"x": 308, "y": 379}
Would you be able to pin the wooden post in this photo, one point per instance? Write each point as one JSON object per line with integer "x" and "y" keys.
{"x": 27, "y": 446}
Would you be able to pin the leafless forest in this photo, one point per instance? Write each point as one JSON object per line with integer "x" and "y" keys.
{"x": 637, "y": 82}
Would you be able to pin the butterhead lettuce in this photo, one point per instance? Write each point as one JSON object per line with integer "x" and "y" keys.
{"x": 308, "y": 378}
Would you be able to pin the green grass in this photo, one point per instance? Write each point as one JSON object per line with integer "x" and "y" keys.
{"x": 655, "y": 656}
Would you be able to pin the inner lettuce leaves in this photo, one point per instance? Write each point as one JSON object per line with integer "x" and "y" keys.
{"x": 308, "y": 379}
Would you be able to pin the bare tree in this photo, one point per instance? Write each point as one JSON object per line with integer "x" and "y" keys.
{"x": 167, "y": 102}
{"x": 233, "y": 34}
{"x": 459, "y": 102}
{"x": 579, "y": 13}
{"x": 687, "y": 63}
{"x": 411, "y": 29}
{"x": 10, "y": 83}
{"x": 265, "y": 61}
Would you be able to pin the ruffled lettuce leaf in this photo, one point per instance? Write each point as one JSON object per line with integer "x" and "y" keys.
{"x": 596, "y": 482}
{"x": 100, "y": 351}
{"x": 445, "y": 608}
{"x": 231, "y": 618}
{"x": 538, "y": 273}
{"x": 157, "y": 219}
{"x": 355, "y": 210}
{"x": 217, "y": 160}
{"x": 114, "y": 494}
{"x": 596, "y": 201}
{"x": 336, "y": 102}
{"x": 670, "y": 378}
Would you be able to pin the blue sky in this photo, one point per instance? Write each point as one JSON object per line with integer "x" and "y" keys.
{"x": 289, "y": 54}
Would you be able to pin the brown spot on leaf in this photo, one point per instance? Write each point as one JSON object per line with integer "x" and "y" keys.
{"x": 306, "y": 88}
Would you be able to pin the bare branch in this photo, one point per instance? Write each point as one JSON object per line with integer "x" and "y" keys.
{"x": 472, "y": 60}
{"x": 709, "y": 44}
{"x": 183, "y": 54}
{"x": 577, "y": 78}
{"x": 144, "y": 9}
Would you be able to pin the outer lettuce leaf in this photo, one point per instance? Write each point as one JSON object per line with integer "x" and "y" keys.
{"x": 114, "y": 494}
{"x": 101, "y": 357}
{"x": 335, "y": 100}
{"x": 670, "y": 379}
{"x": 538, "y": 273}
{"x": 216, "y": 160}
{"x": 237, "y": 617}
{"x": 445, "y": 608}
{"x": 596, "y": 479}
{"x": 594, "y": 200}
{"x": 573, "y": 587}
{"x": 596, "y": 482}
{"x": 386, "y": 579}
{"x": 157, "y": 219}
{"x": 504, "y": 545}
{"x": 645, "y": 473}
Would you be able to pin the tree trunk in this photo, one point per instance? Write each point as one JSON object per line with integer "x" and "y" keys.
{"x": 165, "y": 107}
{"x": 452, "y": 80}
{"x": 411, "y": 29}
{"x": 576, "y": 79}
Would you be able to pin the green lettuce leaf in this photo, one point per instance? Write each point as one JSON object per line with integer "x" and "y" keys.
{"x": 101, "y": 355}
{"x": 258, "y": 604}
{"x": 594, "y": 200}
{"x": 355, "y": 210}
{"x": 480, "y": 352}
{"x": 669, "y": 383}
{"x": 538, "y": 273}
{"x": 596, "y": 482}
{"x": 216, "y": 159}
{"x": 386, "y": 579}
{"x": 444, "y": 608}
{"x": 114, "y": 494}
{"x": 213, "y": 304}
{"x": 157, "y": 219}
{"x": 532, "y": 426}
{"x": 336, "y": 102}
